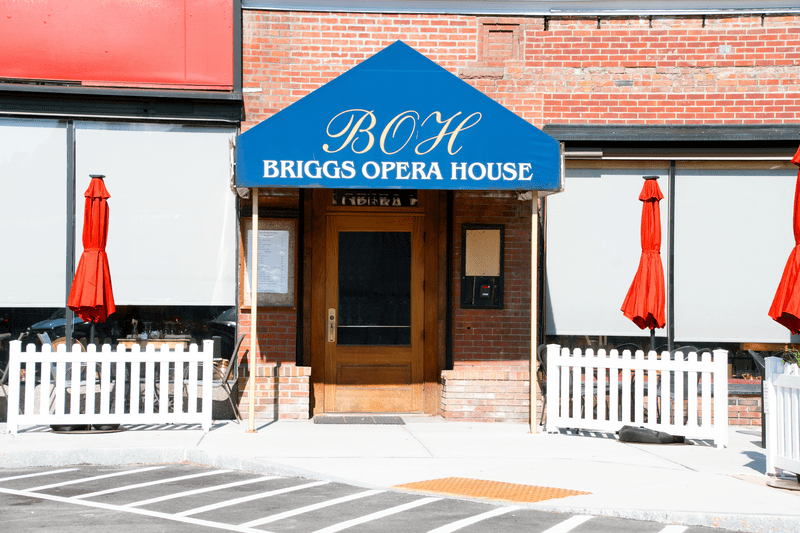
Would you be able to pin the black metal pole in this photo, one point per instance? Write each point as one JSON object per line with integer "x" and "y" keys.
{"x": 70, "y": 266}
{"x": 671, "y": 262}
{"x": 237, "y": 46}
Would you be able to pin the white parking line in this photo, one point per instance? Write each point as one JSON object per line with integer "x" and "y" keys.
{"x": 455, "y": 526}
{"x": 674, "y": 529}
{"x": 309, "y": 508}
{"x": 375, "y": 516}
{"x": 49, "y": 472}
{"x": 141, "y": 512}
{"x": 569, "y": 524}
{"x": 199, "y": 491}
{"x": 151, "y": 483}
{"x": 250, "y": 498}
{"x": 94, "y": 478}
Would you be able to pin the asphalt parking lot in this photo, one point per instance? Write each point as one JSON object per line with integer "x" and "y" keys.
{"x": 183, "y": 497}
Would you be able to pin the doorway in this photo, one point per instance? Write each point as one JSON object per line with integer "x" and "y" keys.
{"x": 374, "y": 302}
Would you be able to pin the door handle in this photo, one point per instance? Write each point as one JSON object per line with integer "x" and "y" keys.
{"x": 332, "y": 325}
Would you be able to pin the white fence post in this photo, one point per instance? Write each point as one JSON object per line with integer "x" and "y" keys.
{"x": 12, "y": 419}
{"x": 721, "y": 398}
{"x": 552, "y": 388}
{"x": 68, "y": 382}
{"x": 208, "y": 376}
{"x": 605, "y": 391}
{"x": 782, "y": 415}
{"x": 773, "y": 366}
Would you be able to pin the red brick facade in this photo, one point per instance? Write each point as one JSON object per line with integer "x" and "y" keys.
{"x": 276, "y": 334}
{"x": 739, "y": 69}
{"x": 496, "y": 391}
{"x": 282, "y": 392}
{"x": 732, "y": 70}
{"x": 495, "y": 334}
{"x": 744, "y": 410}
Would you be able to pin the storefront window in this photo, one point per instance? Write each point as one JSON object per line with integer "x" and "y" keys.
{"x": 171, "y": 240}
{"x": 179, "y": 324}
{"x": 741, "y": 363}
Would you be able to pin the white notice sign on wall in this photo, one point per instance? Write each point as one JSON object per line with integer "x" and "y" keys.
{"x": 273, "y": 261}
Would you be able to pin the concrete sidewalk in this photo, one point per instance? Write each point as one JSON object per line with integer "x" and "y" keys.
{"x": 694, "y": 484}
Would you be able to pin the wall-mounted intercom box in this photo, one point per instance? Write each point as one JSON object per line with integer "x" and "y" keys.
{"x": 482, "y": 266}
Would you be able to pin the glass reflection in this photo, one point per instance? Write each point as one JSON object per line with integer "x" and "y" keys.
{"x": 374, "y": 288}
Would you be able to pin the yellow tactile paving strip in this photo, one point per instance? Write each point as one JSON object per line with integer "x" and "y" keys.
{"x": 489, "y": 490}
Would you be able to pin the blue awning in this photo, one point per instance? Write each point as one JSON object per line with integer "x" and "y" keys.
{"x": 398, "y": 121}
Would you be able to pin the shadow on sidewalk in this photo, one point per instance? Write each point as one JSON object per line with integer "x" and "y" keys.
{"x": 130, "y": 427}
{"x": 613, "y": 436}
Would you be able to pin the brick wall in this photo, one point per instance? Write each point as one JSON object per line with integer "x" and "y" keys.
{"x": 288, "y": 54}
{"x": 744, "y": 410}
{"x": 495, "y": 334}
{"x": 488, "y": 391}
{"x": 499, "y": 391}
{"x": 684, "y": 70}
{"x": 627, "y": 70}
{"x": 282, "y": 392}
{"x": 282, "y": 387}
{"x": 277, "y": 330}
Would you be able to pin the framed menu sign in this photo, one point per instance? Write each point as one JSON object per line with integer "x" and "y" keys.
{"x": 277, "y": 244}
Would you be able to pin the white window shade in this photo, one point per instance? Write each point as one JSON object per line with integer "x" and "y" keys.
{"x": 172, "y": 237}
{"x": 593, "y": 249}
{"x": 33, "y": 207}
{"x": 733, "y": 235}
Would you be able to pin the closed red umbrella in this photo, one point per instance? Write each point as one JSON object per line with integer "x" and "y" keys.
{"x": 644, "y": 303}
{"x": 91, "y": 296}
{"x": 786, "y": 304}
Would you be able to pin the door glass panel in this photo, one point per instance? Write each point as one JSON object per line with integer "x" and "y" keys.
{"x": 374, "y": 288}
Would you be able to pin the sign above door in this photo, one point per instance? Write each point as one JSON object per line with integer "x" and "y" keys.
{"x": 398, "y": 121}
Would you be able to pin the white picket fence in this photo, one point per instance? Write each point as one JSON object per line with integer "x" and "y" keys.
{"x": 109, "y": 386}
{"x": 782, "y": 414}
{"x": 608, "y": 390}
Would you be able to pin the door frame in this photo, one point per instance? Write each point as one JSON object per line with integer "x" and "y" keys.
{"x": 431, "y": 204}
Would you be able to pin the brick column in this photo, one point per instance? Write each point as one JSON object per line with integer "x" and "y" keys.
{"x": 282, "y": 392}
{"x": 488, "y": 391}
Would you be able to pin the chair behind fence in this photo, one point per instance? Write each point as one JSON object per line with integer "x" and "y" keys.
{"x": 107, "y": 387}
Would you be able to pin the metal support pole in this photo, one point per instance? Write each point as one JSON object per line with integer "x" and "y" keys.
{"x": 253, "y": 356}
{"x": 534, "y": 309}
{"x": 671, "y": 262}
{"x": 70, "y": 270}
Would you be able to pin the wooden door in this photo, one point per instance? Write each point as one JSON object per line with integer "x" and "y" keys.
{"x": 374, "y": 313}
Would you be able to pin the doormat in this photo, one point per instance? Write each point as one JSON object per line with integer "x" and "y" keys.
{"x": 489, "y": 490}
{"x": 377, "y": 420}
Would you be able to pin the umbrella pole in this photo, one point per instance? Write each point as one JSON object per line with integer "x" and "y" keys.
{"x": 653, "y": 339}
{"x": 91, "y": 335}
